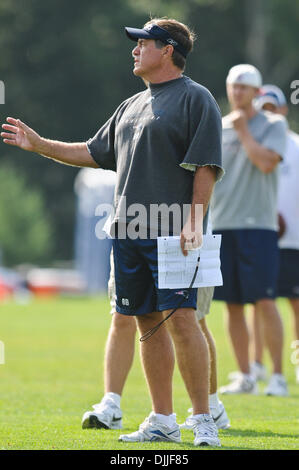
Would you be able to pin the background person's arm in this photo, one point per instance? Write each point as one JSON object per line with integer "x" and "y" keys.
{"x": 263, "y": 158}
{"x": 22, "y": 136}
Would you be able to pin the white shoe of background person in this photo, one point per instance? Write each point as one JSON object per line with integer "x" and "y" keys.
{"x": 257, "y": 370}
{"x": 153, "y": 430}
{"x": 244, "y": 383}
{"x": 105, "y": 415}
{"x": 218, "y": 414}
{"x": 205, "y": 431}
{"x": 277, "y": 386}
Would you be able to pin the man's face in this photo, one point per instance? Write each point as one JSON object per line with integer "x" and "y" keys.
{"x": 275, "y": 109}
{"x": 147, "y": 58}
{"x": 240, "y": 96}
{"x": 270, "y": 107}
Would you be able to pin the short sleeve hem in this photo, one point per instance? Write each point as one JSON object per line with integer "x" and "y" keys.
{"x": 193, "y": 166}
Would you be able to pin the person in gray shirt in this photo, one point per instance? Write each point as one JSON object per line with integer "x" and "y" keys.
{"x": 244, "y": 211}
{"x": 165, "y": 145}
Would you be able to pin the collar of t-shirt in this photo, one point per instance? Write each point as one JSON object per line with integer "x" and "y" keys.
{"x": 158, "y": 86}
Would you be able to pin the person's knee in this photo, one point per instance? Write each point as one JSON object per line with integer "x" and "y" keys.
{"x": 267, "y": 306}
{"x": 235, "y": 310}
{"x": 148, "y": 321}
{"x": 203, "y": 326}
{"x": 295, "y": 306}
{"x": 183, "y": 324}
{"x": 122, "y": 322}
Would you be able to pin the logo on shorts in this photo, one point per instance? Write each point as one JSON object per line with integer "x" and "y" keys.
{"x": 125, "y": 302}
{"x": 184, "y": 293}
{"x": 180, "y": 292}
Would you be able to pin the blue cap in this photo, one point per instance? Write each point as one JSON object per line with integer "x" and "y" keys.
{"x": 153, "y": 31}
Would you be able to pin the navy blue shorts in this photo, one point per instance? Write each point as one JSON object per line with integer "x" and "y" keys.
{"x": 288, "y": 280}
{"x": 249, "y": 266}
{"x": 136, "y": 280}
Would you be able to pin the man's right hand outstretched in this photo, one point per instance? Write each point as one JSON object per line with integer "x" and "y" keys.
{"x": 20, "y": 135}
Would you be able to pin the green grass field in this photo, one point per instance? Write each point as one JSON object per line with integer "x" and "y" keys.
{"x": 53, "y": 373}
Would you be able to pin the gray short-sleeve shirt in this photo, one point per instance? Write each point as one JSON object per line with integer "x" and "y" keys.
{"x": 154, "y": 138}
{"x": 246, "y": 198}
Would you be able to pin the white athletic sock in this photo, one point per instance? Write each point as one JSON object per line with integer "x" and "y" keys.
{"x": 169, "y": 420}
{"x": 201, "y": 414}
{"x": 113, "y": 396}
{"x": 213, "y": 400}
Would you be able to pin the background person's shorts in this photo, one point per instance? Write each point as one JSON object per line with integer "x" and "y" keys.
{"x": 249, "y": 265}
{"x": 204, "y": 295}
{"x": 136, "y": 280}
{"x": 204, "y": 300}
{"x": 288, "y": 280}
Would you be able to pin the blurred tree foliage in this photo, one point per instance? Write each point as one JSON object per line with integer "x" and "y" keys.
{"x": 66, "y": 65}
{"x": 25, "y": 231}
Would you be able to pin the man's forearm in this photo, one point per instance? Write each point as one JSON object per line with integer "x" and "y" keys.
{"x": 203, "y": 184}
{"x": 75, "y": 154}
{"x": 18, "y": 134}
{"x": 264, "y": 159}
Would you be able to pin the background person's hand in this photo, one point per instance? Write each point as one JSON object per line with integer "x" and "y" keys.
{"x": 281, "y": 226}
{"x": 238, "y": 119}
{"x": 20, "y": 135}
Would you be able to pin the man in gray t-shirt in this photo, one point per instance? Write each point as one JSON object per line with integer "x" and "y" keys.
{"x": 154, "y": 141}
{"x": 244, "y": 211}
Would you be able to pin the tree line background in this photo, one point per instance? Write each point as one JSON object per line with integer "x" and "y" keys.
{"x": 66, "y": 65}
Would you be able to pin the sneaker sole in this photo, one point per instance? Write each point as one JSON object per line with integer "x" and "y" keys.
{"x": 276, "y": 394}
{"x": 92, "y": 422}
{"x": 225, "y": 392}
{"x": 205, "y": 443}
{"x": 155, "y": 439}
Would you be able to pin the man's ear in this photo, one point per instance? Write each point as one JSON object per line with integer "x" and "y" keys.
{"x": 168, "y": 50}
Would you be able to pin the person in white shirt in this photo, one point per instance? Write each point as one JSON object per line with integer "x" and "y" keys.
{"x": 272, "y": 99}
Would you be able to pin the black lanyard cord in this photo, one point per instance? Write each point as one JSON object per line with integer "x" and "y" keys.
{"x": 185, "y": 296}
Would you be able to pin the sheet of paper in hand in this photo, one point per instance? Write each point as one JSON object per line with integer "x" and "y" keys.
{"x": 176, "y": 271}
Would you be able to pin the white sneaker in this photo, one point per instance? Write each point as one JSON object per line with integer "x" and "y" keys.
{"x": 106, "y": 415}
{"x": 277, "y": 386}
{"x": 218, "y": 414}
{"x": 257, "y": 370}
{"x": 205, "y": 431}
{"x": 235, "y": 374}
{"x": 244, "y": 383}
{"x": 153, "y": 430}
